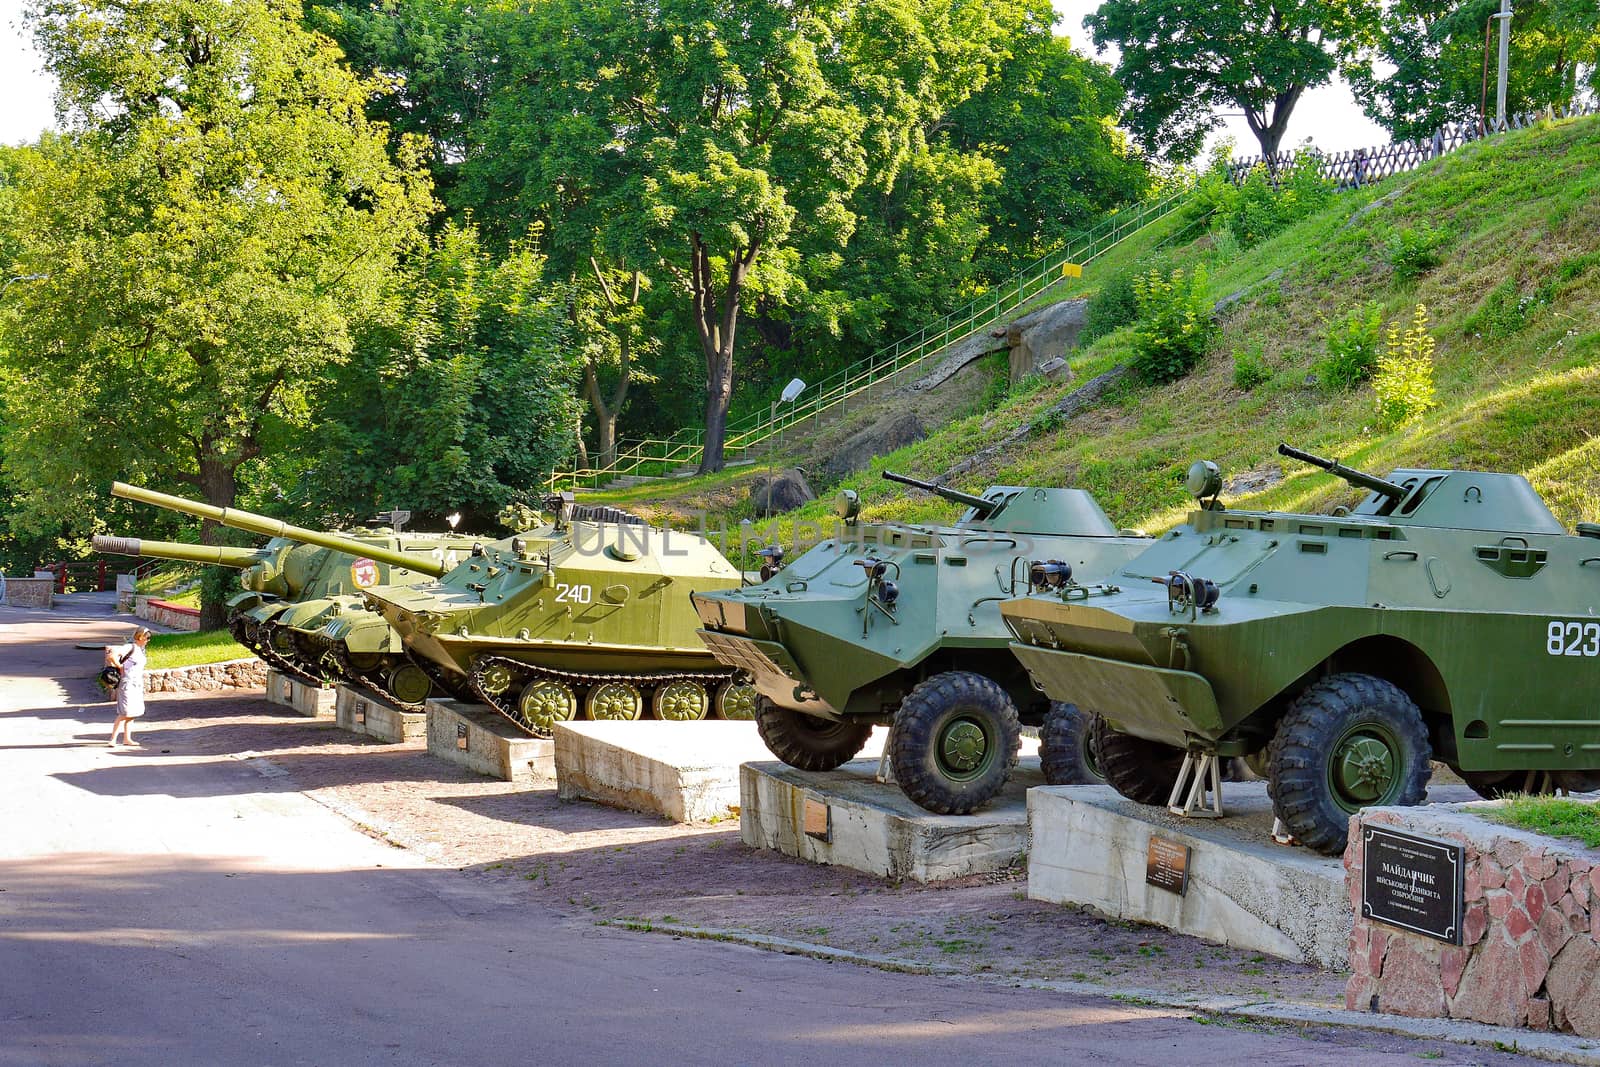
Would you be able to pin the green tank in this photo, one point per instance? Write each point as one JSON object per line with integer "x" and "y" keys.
{"x": 1448, "y": 615}
{"x": 304, "y": 582}
{"x": 594, "y": 622}
{"x": 899, "y": 625}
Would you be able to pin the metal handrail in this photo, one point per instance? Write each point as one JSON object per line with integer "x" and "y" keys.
{"x": 655, "y": 457}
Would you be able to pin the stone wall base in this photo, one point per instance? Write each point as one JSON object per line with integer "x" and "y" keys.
{"x": 206, "y": 677}
{"x": 30, "y": 592}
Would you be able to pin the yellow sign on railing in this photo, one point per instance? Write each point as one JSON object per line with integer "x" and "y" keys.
{"x": 1072, "y": 270}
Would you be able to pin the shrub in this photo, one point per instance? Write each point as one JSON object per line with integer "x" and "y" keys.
{"x": 1415, "y": 250}
{"x": 1260, "y": 207}
{"x": 1354, "y": 344}
{"x": 1175, "y": 324}
{"x": 1404, "y": 383}
{"x": 1250, "y": 368}
{"x": 1113, "y": 307}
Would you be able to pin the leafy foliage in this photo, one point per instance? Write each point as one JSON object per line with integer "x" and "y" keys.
{"x": 1183, "y": 63}
{"x": 1404, "y": 381}
{"x": 1113, "y": 306}
{"x": 1260, "y": 207}
{"x": 1176, "y": 328}
{"x": 1354, "y": 344}
{"x": 1424, "y": 69}
{"x": 459, "y": 397}
{"x": 1250, "y": 368}
{"x": 1415, "y": 250}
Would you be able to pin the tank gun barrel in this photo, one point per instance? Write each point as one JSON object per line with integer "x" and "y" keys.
{"x": 270, "y": 527}
{"x": 218, "y": 555}
{"x": 983, "y": 507}
{"x": 1366, "y": 481}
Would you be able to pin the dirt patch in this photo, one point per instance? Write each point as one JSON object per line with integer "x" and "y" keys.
{"x": 585, "y": 859}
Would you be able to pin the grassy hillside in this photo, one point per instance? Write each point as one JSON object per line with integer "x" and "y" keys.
{"x": 1514, "y": 305}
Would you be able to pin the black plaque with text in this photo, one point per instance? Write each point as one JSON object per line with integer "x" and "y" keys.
{"x": 1167, "y": 865}
{"x": 1415, "y": 883}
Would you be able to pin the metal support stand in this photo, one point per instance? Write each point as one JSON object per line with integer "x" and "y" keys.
{"x": 1281, "y": 834}
{"x": 1200, "y": 774}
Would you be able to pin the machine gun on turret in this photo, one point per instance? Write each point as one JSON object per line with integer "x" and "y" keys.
{"x": 1361, "y": 479}
{"x": 983, "y": 508}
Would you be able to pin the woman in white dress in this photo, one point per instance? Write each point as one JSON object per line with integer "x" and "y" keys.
{"x": 129, "y": 659}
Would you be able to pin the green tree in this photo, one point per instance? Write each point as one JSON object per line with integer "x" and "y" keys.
{"x": 1183, "y": 62}
{"x": 716, "y": 144}
{"x": 1431, "y": 59}
{"x": 220, "y": 215}
{"x": 458, "y": 398}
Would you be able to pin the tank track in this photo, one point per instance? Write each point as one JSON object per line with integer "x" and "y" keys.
{"x": 361, "y": 680}
{"x": 523, "y": 673}
{"x": 264, "y": 650}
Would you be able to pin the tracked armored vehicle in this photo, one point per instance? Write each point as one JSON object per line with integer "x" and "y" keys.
{"x": 899, "y": 625}
{"x": 1447, "y": 615}
{"x": 305, "y": 584}
{"x": 595, "y": 622}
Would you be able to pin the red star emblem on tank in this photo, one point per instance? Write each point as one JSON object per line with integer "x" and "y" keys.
{"x": 364, "y": 572}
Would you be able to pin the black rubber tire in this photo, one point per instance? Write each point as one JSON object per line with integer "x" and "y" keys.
{"x": 1300, "y": 758}
{"x": 1492, "y": 785}
{"x": 1143, "y": 771}
{"x": 1066, "y": 747}
{"x": 950, "y": 699}
{"x": 809, "y": 742}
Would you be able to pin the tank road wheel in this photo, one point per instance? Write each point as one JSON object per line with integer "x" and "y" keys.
{"x": 409, "y": 683}
{"x": 736, "y": 700}
{"x": 1066, "y": 747}
{"x": 809, "y": 742}
{"x": 281, "y": 641}
{"x": 363, "y": 661}
{"x": 1143, "y": 771}
{"x": 679, "y": 702}
{"x": 544, "y": 702}
{"x": 954, "y": 742}
{"x": 496, "y": 679}
{"x": 1347, "y": 742}
{"x": 613, "y": 700}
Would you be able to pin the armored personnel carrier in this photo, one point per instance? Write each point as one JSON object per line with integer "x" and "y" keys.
{"x": 595, "y": 621}
{"x": 1447, "y": 615}
{"x": 304, "y": 581}
{"x": 899, "y": 625}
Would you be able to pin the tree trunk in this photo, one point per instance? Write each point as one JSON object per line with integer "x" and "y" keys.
{"x": 218, "y": 487}
{"x": 716, "y": 321}
{"x": 1269, "y": 132}
{"x": 577, "y": 437}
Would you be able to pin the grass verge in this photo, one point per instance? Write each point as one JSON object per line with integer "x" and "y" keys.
{"x": 190, "y": 649}
{"x": 1551, "y": 816}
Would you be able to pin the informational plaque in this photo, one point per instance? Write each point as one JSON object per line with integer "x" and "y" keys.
{"x": 819, "y": 819}
{"x": 1415, "y": 883}
{"x": 461, "y": 736}
{"x": 361, "y": 711}
{"x": 1166, "y": 865}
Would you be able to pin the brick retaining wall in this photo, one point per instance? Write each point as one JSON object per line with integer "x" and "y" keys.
{"x": 165, "y": 613}
{"x": 232, "y": 674}
{"x": 30, "y": 592}
{"x": 1530, "y": 952}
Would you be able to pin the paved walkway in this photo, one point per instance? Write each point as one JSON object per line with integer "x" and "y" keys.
{"x": 164, "y": 908}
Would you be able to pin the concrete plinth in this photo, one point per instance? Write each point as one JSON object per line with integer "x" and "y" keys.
{"x": 846, "y": 817}
{"x": 308, "y": 700}
{"x": 686, "y": 771}
{"x": 362, "y": 713}
{"x": 482, "y": 740}
{"x": 1091, "y": 847}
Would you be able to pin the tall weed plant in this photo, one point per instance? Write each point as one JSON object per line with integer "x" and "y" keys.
{"x": 1404, "y": 382}
{"x": 1262, "y": 205}
{"x": 1354, "y": 343}
{"x": 1175, "y": 324}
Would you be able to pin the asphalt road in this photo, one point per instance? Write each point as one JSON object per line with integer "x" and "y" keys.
{"x": 171, "y": 909}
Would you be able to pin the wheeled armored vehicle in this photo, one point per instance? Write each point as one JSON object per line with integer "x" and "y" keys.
{"x": 302, "y": 582}
{"x": 899, "y": 625}
{"x": 1448, "y": 615}
{"x": 594, "y": 621}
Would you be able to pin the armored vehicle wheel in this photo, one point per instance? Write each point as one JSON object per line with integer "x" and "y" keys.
{"x": 679, "y": 701}
{"x": 409, "y": 683}
{"x": 1066, "y": 747}
{"x": 736, "y": 700}
{"x": 808, "y": 742}
{"x": 954, "y": 742}
{"x": 613, "y": 700}
{"x": 280, "y": 641}
{"x": 496, "y": 679}
{"x": 1492, "y": 785}
{"x": 363, "y": 661}
{"x": 544, "y": 702}
{"x": 1347, "y": 742}
{"x": 1143, "y": 771}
